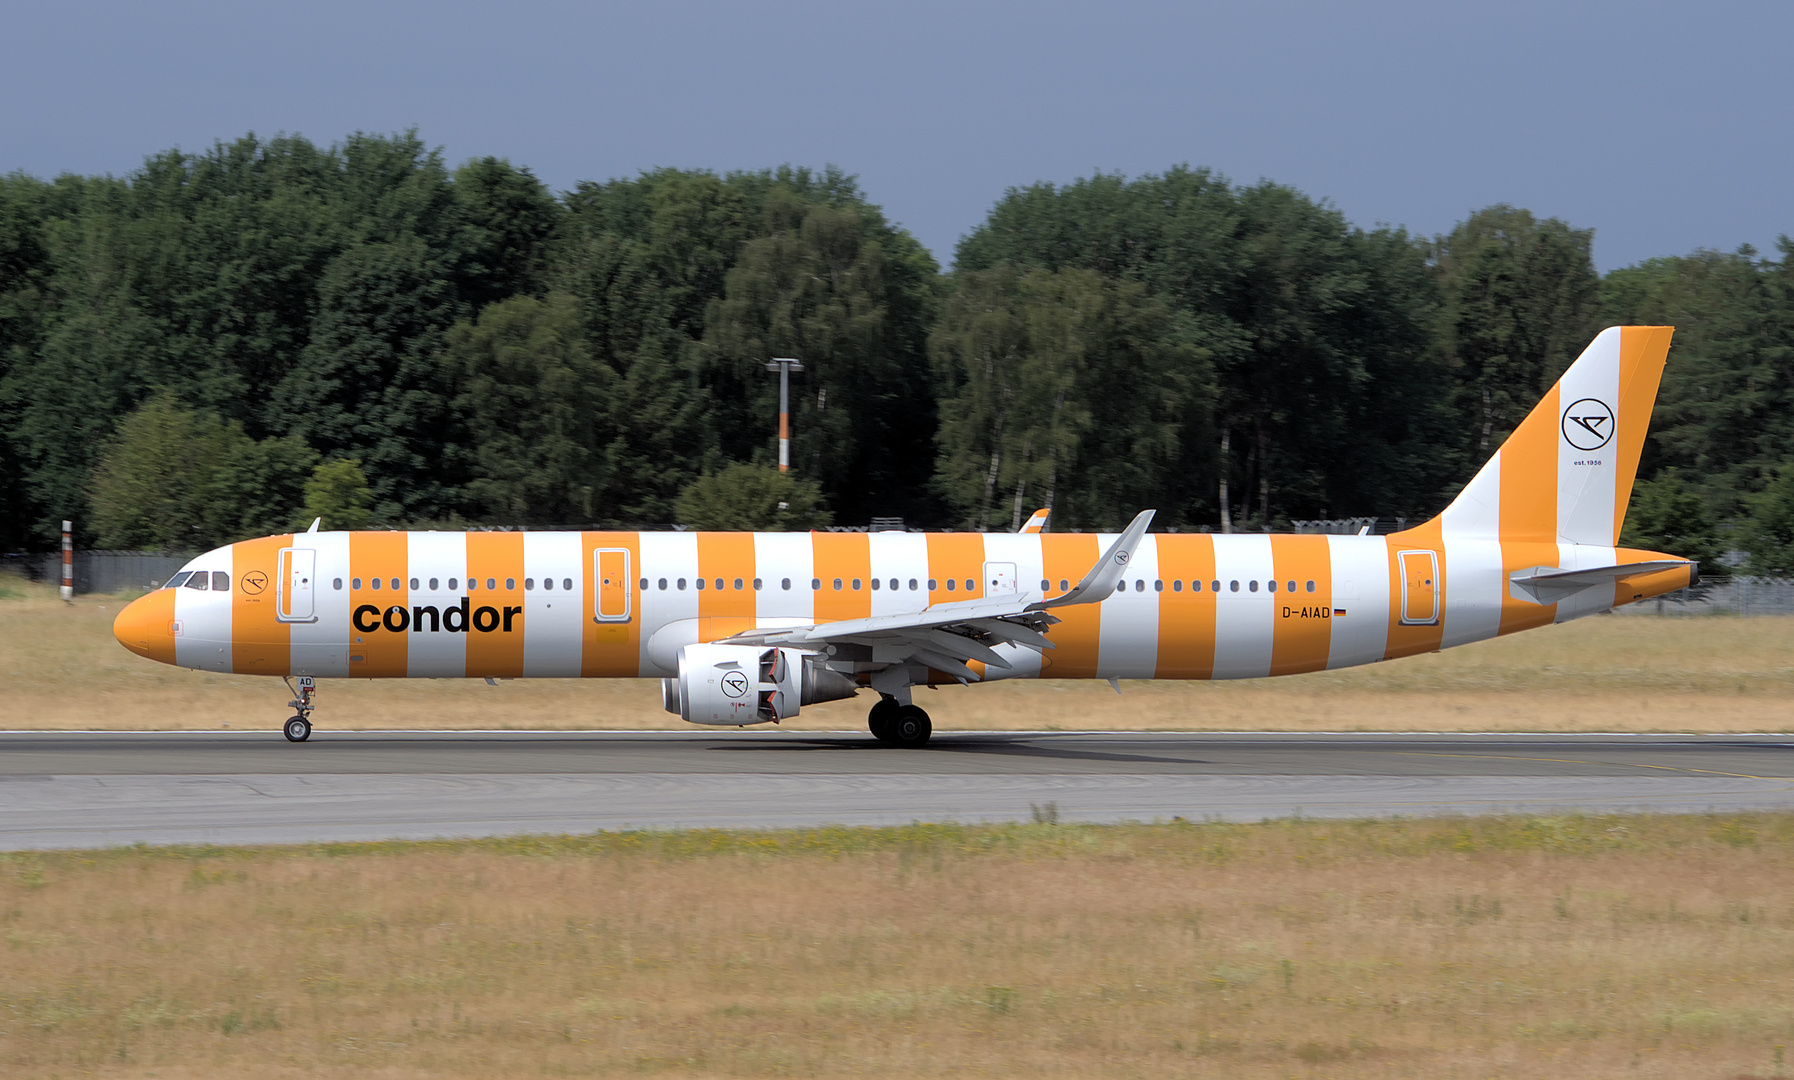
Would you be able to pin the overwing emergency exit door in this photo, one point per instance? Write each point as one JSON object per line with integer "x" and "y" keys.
{"x": 610, "y": 569}
{"x": 1420, "y": 587}
{"x": 295, "y": 595}
{"x": 999, "y": 578}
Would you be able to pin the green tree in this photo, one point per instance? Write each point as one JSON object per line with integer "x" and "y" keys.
{"x": 533, "y": 402}
{"x": 1768, "y": 533}
{"x": 745, "y": 497}
{"x": 1520, "y": 303}
{"x": 1068, "y": 391}
{"x": 177, "y": 478}
{"x": 338, "y": 494}
{"x": 1667, "y": 515}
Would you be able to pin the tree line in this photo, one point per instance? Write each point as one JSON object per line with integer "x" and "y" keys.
{"x": 231, "y": 342}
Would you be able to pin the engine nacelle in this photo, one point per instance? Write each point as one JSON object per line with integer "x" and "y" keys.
{"x": 747, "y": 684}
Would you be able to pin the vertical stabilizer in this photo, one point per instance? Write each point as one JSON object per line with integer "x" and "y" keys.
{"x": 1565, "y": 474}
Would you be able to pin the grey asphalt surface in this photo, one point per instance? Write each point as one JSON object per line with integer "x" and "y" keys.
{"x": 66, "y": 790}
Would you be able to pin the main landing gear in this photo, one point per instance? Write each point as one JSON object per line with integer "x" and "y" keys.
{"x": 896, "y": 724}
{"x": 298, "y": 726}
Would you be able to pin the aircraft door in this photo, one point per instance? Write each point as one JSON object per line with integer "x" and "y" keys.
{"x": 610, "y": 568}
{"x": 1420, "y": 587}
{"x": 999, "y": 578}
{"x": 295, "y": 595}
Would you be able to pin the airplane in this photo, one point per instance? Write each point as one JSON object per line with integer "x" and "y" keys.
{"x": 748, "y": 628}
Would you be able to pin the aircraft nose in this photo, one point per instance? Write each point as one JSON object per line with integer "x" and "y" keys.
{"x": 146, "y": 626}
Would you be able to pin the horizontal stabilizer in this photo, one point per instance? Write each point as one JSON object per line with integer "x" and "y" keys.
{"x": 1550, "y": 584}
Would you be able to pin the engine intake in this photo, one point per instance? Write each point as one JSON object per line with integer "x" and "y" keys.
{"x": 736, "y": 685}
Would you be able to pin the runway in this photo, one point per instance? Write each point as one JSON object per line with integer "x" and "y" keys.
{"x": 75, "y": 790}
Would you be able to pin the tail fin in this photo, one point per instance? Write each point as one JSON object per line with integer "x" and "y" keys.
{"x": 1565, "y": 474}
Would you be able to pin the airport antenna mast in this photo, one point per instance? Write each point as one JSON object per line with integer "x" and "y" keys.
{"x": 784, "y": 365}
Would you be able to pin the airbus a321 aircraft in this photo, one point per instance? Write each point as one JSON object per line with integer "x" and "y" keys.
{"x": 746, "y": 628}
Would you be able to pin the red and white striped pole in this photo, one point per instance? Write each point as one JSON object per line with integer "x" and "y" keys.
{"x": 68, "y": 560}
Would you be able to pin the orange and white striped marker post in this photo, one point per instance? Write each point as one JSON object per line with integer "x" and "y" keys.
{"x": 784, "y": 365}
{"x": 68, "y": 560}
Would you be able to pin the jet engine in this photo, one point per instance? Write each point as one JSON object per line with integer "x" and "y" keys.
{"x": 749, "y": 684}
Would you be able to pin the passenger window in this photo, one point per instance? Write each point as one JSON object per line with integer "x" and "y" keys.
{"x": 529, "y": 584}
{"x": 414, "y": 583}
{"x": 969, "y": 585}
{"x": 645, "y": 585}
{"x": 1139, "y": 585}
{"x": 893, "y": 584}
{"x": 567, "y": 583}
{"x": 912, "y": 584}
{"x": 952, "y": 583}
{"x": 510, "y": 583}
{"x": 737, "y": 584}
{"x": 435, "y": 584}
{"x": 663, "y": 584}
{"x": 547, "y": 584}
{"x": 220, "y": 581}
{"x": 785, "y": 583}
{"x": 491, "y": 584}
{"x": 1064, "y": 585}
{"x": 837, "y": 584}
{"x": 375, "y": 582}
{"x": 1215, "y": 586}
{"x": 719, "y": 583}
{"x": 700, "y": 584}
{"x": 1272, "y": 585}
{"x": 856, "y": 584}
{"x": 1195, "y": 586}
{"x": 395, "y": 584}
{"x": 337, "y": 584}
{"x": 815, "y": 584}
{"x": 1233, "y": 586}
{"x": 1311, "y": 586}
{"x": 756, "y": 584}
{"x": 874, "y": 584}
{"x": 1252, "y": 586}
{"x": 931, "y": 585}
{"x": 1177, "y": 586}
{"x": 681, "y": 584}
{"x": 1292, "y": 586}
{"x": 1045, "y": 585}
{"x": 355, "y": 583}
{"x": 454, "y": 584}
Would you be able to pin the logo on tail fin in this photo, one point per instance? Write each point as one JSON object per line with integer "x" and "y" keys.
{"x": 1588, "y": 424}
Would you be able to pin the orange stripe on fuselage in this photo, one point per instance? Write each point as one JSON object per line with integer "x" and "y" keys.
{"x": 611, "y": 649}
{"x": 495, "y": 609}
{"x": 1068, "y": 557}
{"x": 1408, "y": 640}
{"x": 382, "y": 556}
{"x": 728, "y": 558}
{"x": 1302, "y": 632}
{"x": 955, "y": 557}
{"x": 260, "y": 643}
{"x": 1186, "y": 615}
{"x": 843, "y": 557}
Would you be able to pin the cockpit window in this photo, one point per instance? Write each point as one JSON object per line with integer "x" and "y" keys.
{"x": 178, "y": 580}
{"x": 199, "y": 580}
{"x": 220, "y": 581}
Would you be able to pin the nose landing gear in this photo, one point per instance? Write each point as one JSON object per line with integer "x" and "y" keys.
{"x": 896, "y": 724}
{"x": 298, "y": 726}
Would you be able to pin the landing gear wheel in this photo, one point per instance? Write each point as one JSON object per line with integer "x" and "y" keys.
{"x": 910, "y": 727}
{"x": 880, "y": 720}
{"x": 298, "y": 729}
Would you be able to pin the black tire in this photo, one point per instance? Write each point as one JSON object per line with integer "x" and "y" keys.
{"x": 880, "y": 720}
{"x": 298, "y": 729}
{"x": 910, "y": 727}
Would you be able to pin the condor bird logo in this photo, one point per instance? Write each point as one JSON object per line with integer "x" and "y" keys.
{"x": 735, "y": 684}
{"x": 1588, "y": 424}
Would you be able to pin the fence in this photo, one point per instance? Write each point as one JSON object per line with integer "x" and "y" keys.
{"x": 101, "y": 571}
{"x": 1728, "y": 596}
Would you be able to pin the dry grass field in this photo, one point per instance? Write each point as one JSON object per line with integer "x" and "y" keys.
{"x": 61, "y": 669}
{"x": 1638, "y": 947}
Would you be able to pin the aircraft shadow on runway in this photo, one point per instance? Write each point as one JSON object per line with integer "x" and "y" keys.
{"x": 1019, "y": 747}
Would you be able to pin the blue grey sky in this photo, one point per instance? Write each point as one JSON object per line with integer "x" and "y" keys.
{"x": 1665, "y": 127}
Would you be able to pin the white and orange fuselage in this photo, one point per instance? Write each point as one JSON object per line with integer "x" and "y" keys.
{"x": 603, "y": 604}
{"x": 1531, "y": 540}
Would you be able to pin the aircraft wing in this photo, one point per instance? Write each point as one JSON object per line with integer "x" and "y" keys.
{"x": 948, "y": 636}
